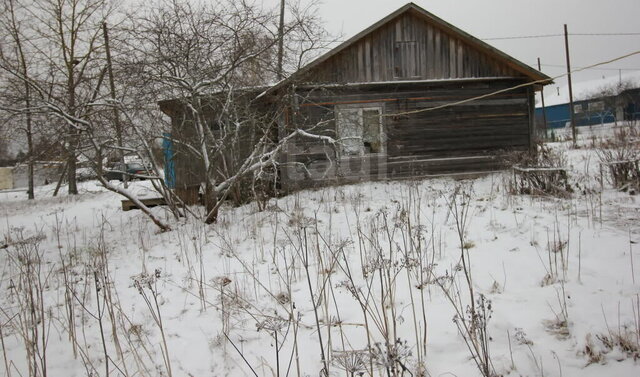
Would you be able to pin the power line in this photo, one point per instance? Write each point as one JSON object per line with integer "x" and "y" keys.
{"x": 536, "y": 82}
{"x": 604, "y": 34}
{"x": 560, "y": 35}
{"x": 599, "y": 69}
{"x": 536, "y": 36}
{"x": 523, "y": 37}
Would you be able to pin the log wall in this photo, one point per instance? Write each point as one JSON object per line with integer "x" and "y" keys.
{"x": 468, "y": 137}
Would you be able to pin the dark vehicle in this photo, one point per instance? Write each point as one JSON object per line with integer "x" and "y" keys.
{"x": 119, "y": 171}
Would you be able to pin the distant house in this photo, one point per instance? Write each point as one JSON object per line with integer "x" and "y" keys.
{"x": 386, "y": 94}
{"x": 17, "y": 177}
{"x": 6, "y": 178}
{"x": 598, "y": 110}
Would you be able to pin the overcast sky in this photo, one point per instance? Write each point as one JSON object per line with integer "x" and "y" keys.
{"x": 509, "y": 18}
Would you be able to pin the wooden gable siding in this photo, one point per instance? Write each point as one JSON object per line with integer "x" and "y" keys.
{"x": 439, "y": 55}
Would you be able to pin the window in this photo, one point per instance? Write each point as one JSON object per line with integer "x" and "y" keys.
{"x": 577, "y": 109}
{"x": 372, "y": 130}
{"x": 360, "y": 130}
{"x": 406, "y": 59}
{"x": 596, "y": 106}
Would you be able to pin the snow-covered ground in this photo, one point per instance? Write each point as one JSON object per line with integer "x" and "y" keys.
{"x": 378, "y": 261}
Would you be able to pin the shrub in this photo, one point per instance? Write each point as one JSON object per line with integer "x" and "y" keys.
{"x": 540, "y": 171}
{"x": 620, "y": 158}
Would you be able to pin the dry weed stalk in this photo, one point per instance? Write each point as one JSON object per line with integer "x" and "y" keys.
{"x": 472, "y": 317}
{"x": 620, "y": 157}
{"x": 146, "y": 282}
{"x": 625, "y": 337}
{"x": 31, "y": 316}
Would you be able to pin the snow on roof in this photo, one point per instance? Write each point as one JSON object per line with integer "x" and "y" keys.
{"x": 559, "y": 94}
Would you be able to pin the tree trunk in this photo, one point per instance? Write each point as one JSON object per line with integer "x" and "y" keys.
{"x": 73, "y": 134}
{"x": 27, "y": 100}
{"x": 210, "y": 203}
{"x": 112, "y": 88}
{"x": 30, "y": 151}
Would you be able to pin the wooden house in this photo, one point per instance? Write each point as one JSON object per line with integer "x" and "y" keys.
{"x": 406, "y": 99}
{"x": 410, "y": 96}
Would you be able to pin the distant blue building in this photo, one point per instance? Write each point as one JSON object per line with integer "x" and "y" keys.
{"x": 624, "y": 106}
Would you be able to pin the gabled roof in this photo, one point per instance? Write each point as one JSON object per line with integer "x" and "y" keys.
{"x": 513, "y": 63}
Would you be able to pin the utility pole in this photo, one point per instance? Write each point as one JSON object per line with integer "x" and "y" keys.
{"x": 73, "y": 132}
{"x": 620, "y": 77}
{"x": 544, "y": 111}
{"x": 116, "y": 116}
{"x": 573, "y": 123}
{"x": 279, "y": 74}
{"x": 27, "y": 98}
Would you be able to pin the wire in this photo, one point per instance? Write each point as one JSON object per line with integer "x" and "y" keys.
{"x": 603, "y": 34}
{"x": 523, "y": 37}
{"x": 600, "y": 69}
{"x": 538, "y": 36}
{"x": 560, "y": 35}
{"x": 513, "y": 87}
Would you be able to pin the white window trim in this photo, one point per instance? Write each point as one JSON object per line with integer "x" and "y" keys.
{"x": 361, "y": 108}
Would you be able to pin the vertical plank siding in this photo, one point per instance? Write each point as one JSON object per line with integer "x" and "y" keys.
{"x": 440, "y": 55}
{"x": 237, "y": 143}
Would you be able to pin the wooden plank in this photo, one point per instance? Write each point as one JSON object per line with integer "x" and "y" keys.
{"x": 453, "y": 58}
{"x": 375, "y": 57}
{"x": 446, "y": 57}
{"x": 368, "y": 66}
{"x": 429, "y": 61}
{"x": 460, "y": 60}
{"x": 128, "y": 205}
{"x": 360, "y": 67}
{"x": 437, "y": 56}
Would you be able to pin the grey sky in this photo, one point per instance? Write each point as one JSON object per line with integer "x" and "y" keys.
{"x": 506, "y": 18}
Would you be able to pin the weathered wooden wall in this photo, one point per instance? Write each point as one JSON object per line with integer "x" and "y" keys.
{"x": 429, "y": 51}
{"x": 419, "y": 142}
{"x": 245, "y": 123}
{"x": 406, "y": 66}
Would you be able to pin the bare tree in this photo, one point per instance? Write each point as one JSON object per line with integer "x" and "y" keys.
{"x": 62, "y": 42}
{"x": 214, "y": 61}
{"x": 65, "y": 44}
{"x": 10, "y": 24}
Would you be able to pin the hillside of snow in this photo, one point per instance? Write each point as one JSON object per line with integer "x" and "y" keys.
{"x": 429, "y": 277}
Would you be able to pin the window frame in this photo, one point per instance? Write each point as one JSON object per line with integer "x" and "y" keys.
{"x": 596, "y": 106}
{"x": 361, "y": 108}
